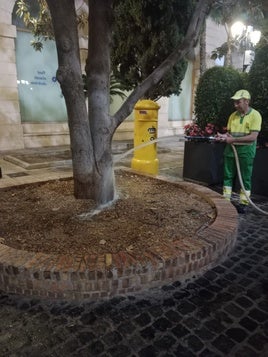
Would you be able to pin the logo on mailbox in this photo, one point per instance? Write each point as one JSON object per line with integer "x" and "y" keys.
{"x": 152, "y": 130}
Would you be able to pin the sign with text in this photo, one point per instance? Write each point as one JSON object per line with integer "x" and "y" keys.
{"x": 40, "y": 94}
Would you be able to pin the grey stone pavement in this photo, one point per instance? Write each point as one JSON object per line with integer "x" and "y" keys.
{"x": 223, "y": 312}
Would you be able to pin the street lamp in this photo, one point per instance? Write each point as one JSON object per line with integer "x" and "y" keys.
{"x": 240, "y": 31}
{"x": 237, "y": 29}
{"x": 248, "y": 39}
{"x": 255, "y": 37}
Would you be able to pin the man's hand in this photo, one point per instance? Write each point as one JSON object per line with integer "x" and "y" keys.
{"x": 222, "y": 137}
{"x": 229, "y": 139}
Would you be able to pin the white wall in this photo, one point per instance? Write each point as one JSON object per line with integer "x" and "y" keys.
{"x": 215, "y": 36}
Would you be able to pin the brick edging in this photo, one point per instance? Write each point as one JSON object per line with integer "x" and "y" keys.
{"x": 100, "y": 276}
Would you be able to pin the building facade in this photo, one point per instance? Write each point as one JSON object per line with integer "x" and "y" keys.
{"x": 11, "y": 130}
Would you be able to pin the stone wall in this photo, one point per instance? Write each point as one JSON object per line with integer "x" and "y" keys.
{"x": 11, "y": 131}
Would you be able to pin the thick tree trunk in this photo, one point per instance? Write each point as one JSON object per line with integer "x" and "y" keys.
{"x": 91, "y": 137}
{"x": 98, "y": 73}
{"x": 70, "y": 77}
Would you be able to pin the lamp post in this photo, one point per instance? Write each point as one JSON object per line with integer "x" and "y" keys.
{"x": 247, "y": 38}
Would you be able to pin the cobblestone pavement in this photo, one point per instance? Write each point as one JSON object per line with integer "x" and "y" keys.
{"x": 222, "y": 313}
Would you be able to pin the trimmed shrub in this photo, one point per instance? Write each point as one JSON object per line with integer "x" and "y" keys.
{"x": 213, "y": 102}
{"x": 258, "y": 87}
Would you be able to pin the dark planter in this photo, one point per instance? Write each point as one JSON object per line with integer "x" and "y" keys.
{"x": 260, "y": 173}
{"x": 203, "y": 162}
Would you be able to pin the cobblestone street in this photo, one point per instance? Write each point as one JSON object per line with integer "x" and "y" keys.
{"x": 222, "y": 313}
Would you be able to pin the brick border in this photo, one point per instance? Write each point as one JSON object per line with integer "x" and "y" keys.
{"x": 101, "y": 276}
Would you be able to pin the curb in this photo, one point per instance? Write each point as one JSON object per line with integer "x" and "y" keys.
{"x": 39, "y": 165}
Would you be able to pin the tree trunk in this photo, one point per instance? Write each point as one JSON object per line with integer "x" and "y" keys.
{"x": 69, "y": 76}
{"x": 228, "y": 57}
{"x": 98, "y": 73}
{"x": 91, "y": 136}
{"x": 203, "y": 50}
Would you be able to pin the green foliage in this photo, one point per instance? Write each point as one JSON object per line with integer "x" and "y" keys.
{"x": 228, "y": 11}
{"x": 37, "y": 18}
{"x": 115, "y": 87}
{"x": 145, "y": 33}
{"x": 258, "y": 86}
{"x": 263, "y": 27}
{"x": 223, "y": 11}
{"x": 213, "y": 102}
{"x": 219, "y": 52}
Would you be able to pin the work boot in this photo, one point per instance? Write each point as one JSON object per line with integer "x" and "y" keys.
{"x": 243, "y": 198}
{"x": 227, "y": 192}
{"x": 241, "y": 209}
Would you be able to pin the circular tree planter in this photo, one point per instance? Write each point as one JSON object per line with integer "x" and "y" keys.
{"x": 105, "y": 275}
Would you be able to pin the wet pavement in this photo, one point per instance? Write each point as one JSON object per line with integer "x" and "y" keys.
{"x": 221, "y": 313}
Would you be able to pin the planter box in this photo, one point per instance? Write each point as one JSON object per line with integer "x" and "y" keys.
{"x": 260, "y": 173}
{"x": 203, "y": 164}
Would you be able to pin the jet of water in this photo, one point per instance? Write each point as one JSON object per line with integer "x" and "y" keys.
{"x": 163, "y": 138}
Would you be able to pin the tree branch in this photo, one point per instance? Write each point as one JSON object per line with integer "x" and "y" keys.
{"x": 201, "y": 11}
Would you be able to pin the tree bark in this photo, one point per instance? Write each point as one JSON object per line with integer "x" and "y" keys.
{"x": 69, "y": 76}
{"x": 228, "y": 57}
{"x": 98, "y": 73}
{"x": 203, "y": 51}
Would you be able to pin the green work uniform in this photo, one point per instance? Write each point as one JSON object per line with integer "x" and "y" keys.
{"x": 239, "y": 126}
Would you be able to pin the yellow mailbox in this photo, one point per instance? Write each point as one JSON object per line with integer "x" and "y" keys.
{"x": 145, "y": 130}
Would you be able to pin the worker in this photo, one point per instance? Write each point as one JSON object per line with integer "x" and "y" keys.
{"x": 243, "y": 128}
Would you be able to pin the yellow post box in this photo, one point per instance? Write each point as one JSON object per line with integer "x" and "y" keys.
{"x": 145, "y": 130}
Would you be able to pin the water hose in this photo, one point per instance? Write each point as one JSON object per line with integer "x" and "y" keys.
{"x": 242, "y": 184}
{"x": 207, "y": 139}
{"x": 212, "y": 138}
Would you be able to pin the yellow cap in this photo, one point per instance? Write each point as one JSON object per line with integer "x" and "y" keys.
{"x": 242, "y": 93}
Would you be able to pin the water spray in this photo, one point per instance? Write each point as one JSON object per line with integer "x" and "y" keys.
{"x": 162, "y": 138}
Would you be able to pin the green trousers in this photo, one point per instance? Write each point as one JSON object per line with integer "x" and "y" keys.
{"x": 230, "y": 171}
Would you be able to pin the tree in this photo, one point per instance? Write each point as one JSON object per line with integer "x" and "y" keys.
{"x": 225, "y": 13}
{"x": 91, "y": 133}
{"x": 145, "y": 32}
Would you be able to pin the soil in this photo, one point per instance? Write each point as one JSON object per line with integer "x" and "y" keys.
{"x": 47, "y": 218}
